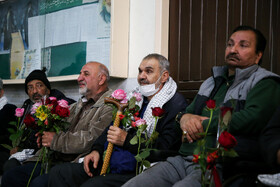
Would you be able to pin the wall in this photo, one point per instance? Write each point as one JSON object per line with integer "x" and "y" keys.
{"x": 149, "y": 35}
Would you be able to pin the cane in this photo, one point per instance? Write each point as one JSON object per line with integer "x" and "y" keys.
{"x": 121, "y": 107}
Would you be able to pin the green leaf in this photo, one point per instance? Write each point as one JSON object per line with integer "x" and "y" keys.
{"x": 13, "y": 123}
{"x": 134, "y": 140}
{"x": 7, "y": 146}
{"x": 12, "y": 131}
{"x": 144, "y": 154}
{"x": 146, "y": 163}
{"x": 230, "y": 153}
{"x": 138, "y": 158}
{"x": 132, "y": 103}
{"x": 196, "y": 150}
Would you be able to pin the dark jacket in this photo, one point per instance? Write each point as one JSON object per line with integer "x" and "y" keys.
{"x": 169, "y": 137}
{"x": 270, "y": 141}
{"x": 30, "y": 143}
{"x": 7, "y": 114}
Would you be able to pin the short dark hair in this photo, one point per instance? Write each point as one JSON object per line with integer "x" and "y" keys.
{"x": 260, "y": 39}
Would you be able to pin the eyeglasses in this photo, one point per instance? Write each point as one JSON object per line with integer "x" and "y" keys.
{"x": 38, "y": 86}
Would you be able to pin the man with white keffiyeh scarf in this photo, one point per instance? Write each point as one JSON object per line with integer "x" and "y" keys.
{"x": 158, "y": 90}
{"x": 7, "y": 114}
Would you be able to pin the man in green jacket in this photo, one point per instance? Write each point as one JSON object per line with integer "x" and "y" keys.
{"x": 253, "y": 92}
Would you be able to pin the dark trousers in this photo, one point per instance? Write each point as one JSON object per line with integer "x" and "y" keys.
{"x": 19, "y": 176}
{"x": 73, "y": 174}
{"x": 4, "y": 156}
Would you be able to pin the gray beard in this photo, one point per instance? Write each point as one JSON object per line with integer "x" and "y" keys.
{"x": 83, "y": 91}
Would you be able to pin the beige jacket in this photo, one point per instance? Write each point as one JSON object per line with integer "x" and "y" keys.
{"x": 78, "y": 139}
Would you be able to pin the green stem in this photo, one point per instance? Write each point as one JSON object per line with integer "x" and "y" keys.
{"x": 209, "y": 122}
{"x": 34, "y": 169}
{"x": 139, "y": 144}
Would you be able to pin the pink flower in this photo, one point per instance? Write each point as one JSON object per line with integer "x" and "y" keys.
{"x": 34, "y": 107}
{"x": 138, "y": 96}
{"x": 124, "y": 101}
{"x": 19, "y": 112}
{"x": 140, "y": 122}
{"x": 63, "y": 103}
{"x": 52, "y": 98}
{"x": 119, "y": 94}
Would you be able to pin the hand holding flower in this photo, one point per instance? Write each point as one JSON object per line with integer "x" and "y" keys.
{"x": 192, "y": 124}
{"x": 47, "y": 138}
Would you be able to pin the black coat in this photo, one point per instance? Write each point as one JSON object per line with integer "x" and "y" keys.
{"x": 169, "y": 136}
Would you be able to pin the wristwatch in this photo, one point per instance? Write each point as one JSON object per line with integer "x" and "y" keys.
{"x": 179, "y": 116}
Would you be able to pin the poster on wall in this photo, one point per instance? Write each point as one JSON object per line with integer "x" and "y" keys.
{"x": 14, "y": 18}
{"x": 61, "y": 39}
{"x": 17, "y": 55}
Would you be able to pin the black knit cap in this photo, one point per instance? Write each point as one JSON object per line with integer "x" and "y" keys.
{"x": 37, "y": 75}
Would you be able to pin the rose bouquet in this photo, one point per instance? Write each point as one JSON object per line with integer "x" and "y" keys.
{"x": 130, "y": 119}
{"x": 142, "y": 137}
{"x": 48, "y": 115}
{"x": 206, "y": 157}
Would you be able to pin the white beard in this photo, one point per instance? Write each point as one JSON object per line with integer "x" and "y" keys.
{"x": 83, "y": 91}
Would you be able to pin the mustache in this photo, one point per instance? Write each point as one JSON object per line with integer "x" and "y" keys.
{"x": 36, "y": 95}
{"x": 144, "y": 81}
{"x": 82, "y": 83}
{"x": 233, "y": 55}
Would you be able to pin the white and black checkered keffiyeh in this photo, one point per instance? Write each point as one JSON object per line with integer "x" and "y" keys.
{"x": 158, "y": 100}
{"x": 3, "y": 102}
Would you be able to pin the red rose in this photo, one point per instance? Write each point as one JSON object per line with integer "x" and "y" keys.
{"x": 136, "y": 114}
{"x": 211, "y": 157}
{"x": 61, "y": 111}
{"x": 29, "y": 121}
{"x": 121, "y": 116}
{"x": 133, "y": 124}
{"x": 195, "y": 158}
{"x": 225, "y": 109}
{"x": 211, "y": 104}
{"x": 157, "y": 111}
{"x": 227, "y": 140}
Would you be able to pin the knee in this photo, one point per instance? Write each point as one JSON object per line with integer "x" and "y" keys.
{"x": 9, "y": 164}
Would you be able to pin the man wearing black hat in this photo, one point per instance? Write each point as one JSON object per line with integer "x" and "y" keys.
{"x": 37, "y": 86}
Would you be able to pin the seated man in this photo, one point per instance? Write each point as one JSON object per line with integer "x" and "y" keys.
{"x": 88, "y": 118}
{"x": 7, "y": 114}
{"x": 254, "y": 93}
{"x": 159, "y": 90}
{"x": 37, "y": 86}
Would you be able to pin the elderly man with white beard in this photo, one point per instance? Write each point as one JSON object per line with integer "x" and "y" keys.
{"x": 88, "y": 118}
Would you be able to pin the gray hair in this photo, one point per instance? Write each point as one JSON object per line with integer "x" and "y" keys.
{"x": 163, "y": 62}
{"x": 104, "y": 70}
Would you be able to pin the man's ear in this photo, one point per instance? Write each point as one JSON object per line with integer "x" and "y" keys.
{"x": 48, "y": 91}
{"x": 259, "y": 56}
{"x": 165, "y": 76}
{"x": 102, "y": 78}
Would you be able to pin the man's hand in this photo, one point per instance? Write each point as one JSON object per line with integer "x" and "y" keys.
{"x": 47, "y": 138}
{"x": 116, "y": 136}
{"x": 14, "y": 150}
{"x": 192, "y": 124}
{"x": 39, "y": 139}
{"x": 92, "y": 157}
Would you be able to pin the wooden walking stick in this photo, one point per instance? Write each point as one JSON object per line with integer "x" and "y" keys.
{"x": 121, "y": 107}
